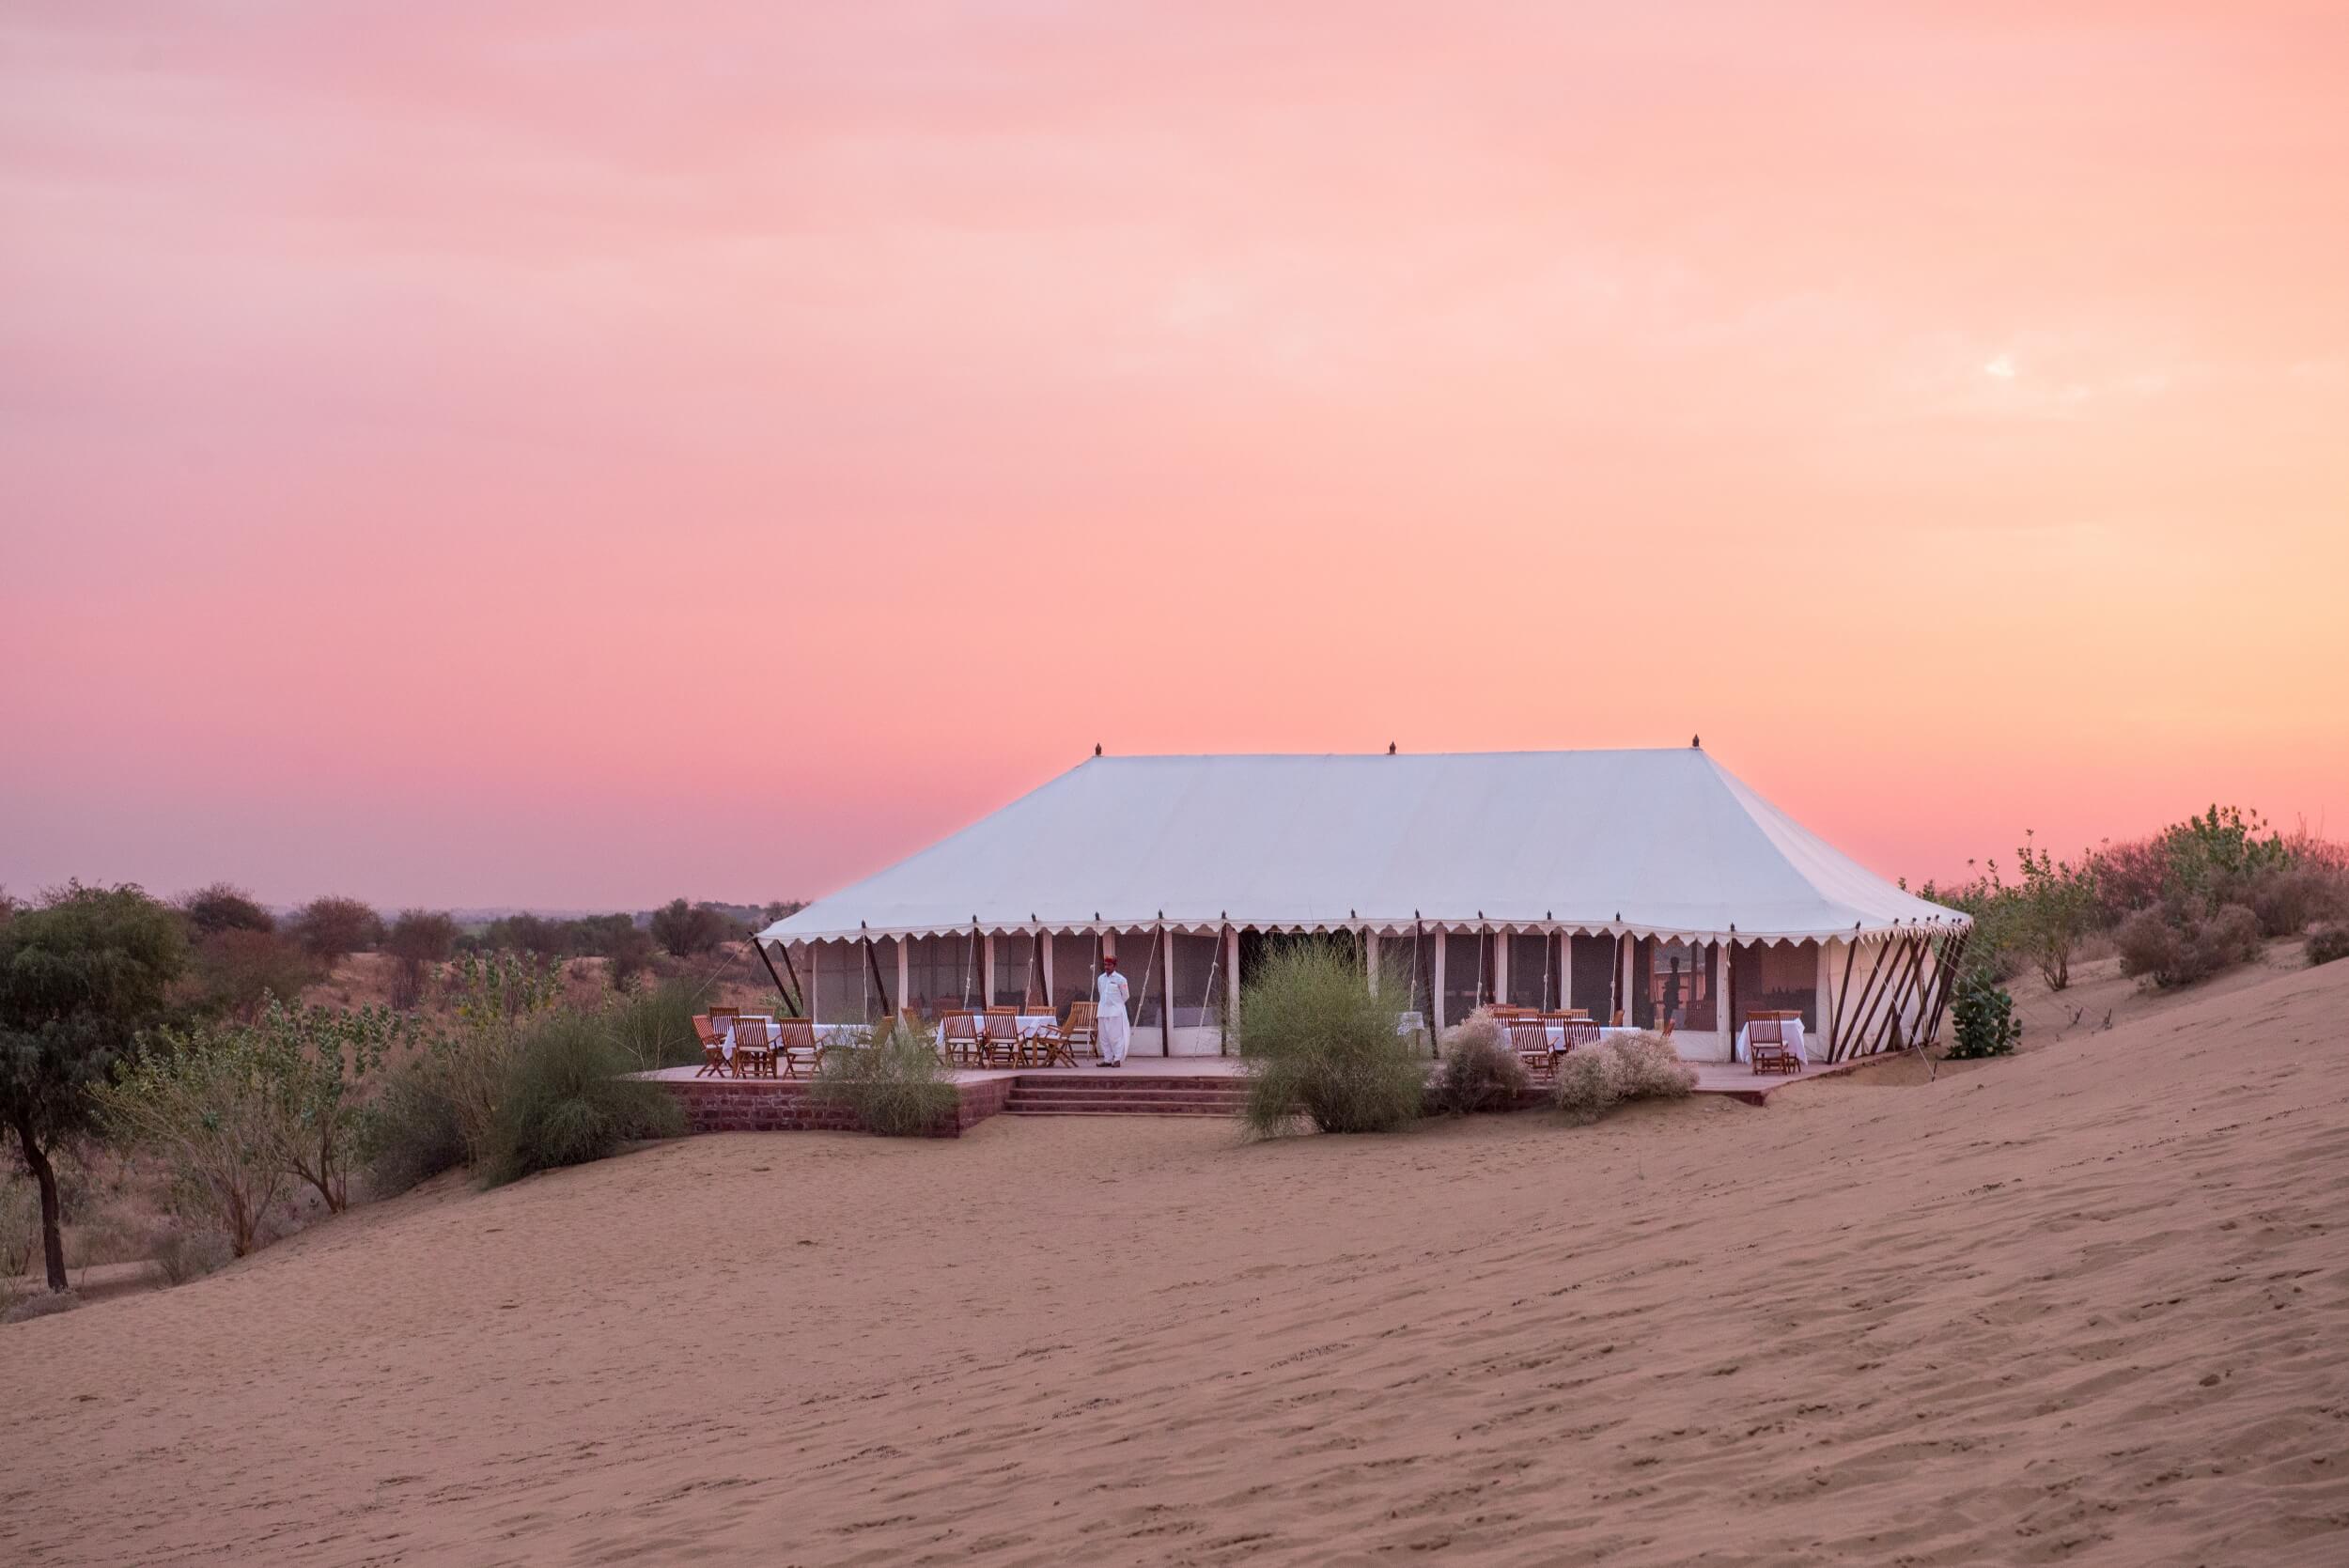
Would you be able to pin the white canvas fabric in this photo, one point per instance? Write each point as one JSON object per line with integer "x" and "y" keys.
{"x": 1640, "y": 842}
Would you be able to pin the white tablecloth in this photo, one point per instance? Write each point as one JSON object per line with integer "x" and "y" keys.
{"x": 1793, "y": 1043}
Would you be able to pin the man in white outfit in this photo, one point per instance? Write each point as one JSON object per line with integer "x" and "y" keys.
{"x": 1110, "y": 1023}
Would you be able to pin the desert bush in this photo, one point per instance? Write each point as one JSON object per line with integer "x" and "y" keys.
{"x": 235, "y": 972}
{"x": 185, "y": 1252}
{"x": 209, "y": 1110}
{"x": 223, "y": 907}
{"x": 500, "y": 1000}
{"x": 628, "y": 952}
{"x": 413, "y": 1133}
{"x": 2176, "y": 945}
{"x": 418, "y": 940}
{"x": 655, "y": 1025}
{"x": 1316, "y": 1040}
{"x": 1592, "y": 1079}
{"x": 896, "y": 1086}
{"x": 1651, "y": 1069}
{"x": 1590, "y": 1082}
{"x": 2289, "y": 899}
{"x": 1480, "y": 1071}
{"x": 1983, "y": 1017}
{"x": 569, "y": 1100}
{"x": 46, "y": 1305}
{"x": 2327, "y": 943}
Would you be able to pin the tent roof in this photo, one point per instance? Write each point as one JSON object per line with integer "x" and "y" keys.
{"x": 1623, "y": 841}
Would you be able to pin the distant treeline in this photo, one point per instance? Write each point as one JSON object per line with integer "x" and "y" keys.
{"x": 239, "y": 952}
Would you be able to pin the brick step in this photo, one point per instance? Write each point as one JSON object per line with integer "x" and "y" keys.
{"x": 1111, "y": 1097}
{"x": 1152, "y": 1109}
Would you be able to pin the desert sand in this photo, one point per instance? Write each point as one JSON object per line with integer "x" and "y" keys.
{"x": 2088, "y": 1305}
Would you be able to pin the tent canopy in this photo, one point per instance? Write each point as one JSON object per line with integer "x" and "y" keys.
{"x": 1664, "y": 842}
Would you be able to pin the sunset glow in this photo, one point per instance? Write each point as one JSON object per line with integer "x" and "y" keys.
{"x": 574, "y": 455}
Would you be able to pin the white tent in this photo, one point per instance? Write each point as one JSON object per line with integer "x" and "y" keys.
{"x": 1616, "y": 843}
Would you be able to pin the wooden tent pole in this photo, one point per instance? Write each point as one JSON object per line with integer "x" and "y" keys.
{"x": 1900, "y": 1000}
{"x": 872, "y": 959}
{"x": 793, "y": 970}
{"x": 1952, "y": 960}
{"x": 1835, "y": 1023}
{"x": 1870, "y": 993}
{"x": 787, "y": 997}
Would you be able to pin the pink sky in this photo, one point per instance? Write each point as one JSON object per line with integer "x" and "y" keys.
{"x": 603, "y": 452}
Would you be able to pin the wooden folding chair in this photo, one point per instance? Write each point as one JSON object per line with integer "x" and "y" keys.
{"x": 1529, "y": 1039}
{"x": 959, "y": 1038}
{"x": 1048, "y": 1046}
{"x": 754, "y": 1054}
{"x": 1766, "y": 1045}
{"x": 796, "y": 1045}
{"x": 1081, "y": 1031}
{"x": 713, "y": 1047}
{"x": 999, "y": 1037}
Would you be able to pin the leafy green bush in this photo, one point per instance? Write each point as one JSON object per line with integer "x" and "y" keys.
{"x": 415, "y": 1132}
{"x": 1592, "y": 1079}
{"x": 1316, "y": 1041}
{"x": 895, "y": 1087}
{"x": 1480, "y": 1071}
{"x": 655, "y": 1025}
{"x": 235, "y": 972}
{"x": 211, "y": 1110}
{"x": 2176, "y": 945}
{"x": 568, "y": 1099}
{"x": 1984, "y": 1016}
{"x": 2328, "y": 942}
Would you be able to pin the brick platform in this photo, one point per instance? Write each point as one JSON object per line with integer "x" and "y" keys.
{"x": 780, "y": 1104}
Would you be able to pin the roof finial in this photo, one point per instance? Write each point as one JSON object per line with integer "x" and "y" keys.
{"x": 1096, "y": 747}
{"x": 1694, "y": 744}
{"x": 1390, "y": 748}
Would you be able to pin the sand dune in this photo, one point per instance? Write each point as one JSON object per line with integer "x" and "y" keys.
{"x": 2089, "y": 1305}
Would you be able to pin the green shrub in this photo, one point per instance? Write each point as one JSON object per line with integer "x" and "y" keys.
{"x": 655, "y": 1025}
{"x": 895, "y": 1087}
{"x": 1316, "y": 1041}
{"x": 2176, "y": 945}
{"x": 2328, "y": 942}
{"x": 1480, "y": 1071}
{"x": 1982, "y": 1015}
{"x": 415, "y": 1133}
{"x": 569, "y": 1100}
{"x": 1592, "y": 1079}
{"x": 212, "y": 1110}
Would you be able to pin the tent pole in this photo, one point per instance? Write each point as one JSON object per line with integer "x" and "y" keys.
{"x": 774, "y": 976}
{"x": 793, "y": 970}
{"x": 872, "y": 961}
{"x": 1946, "y": 967}
{"x": 1835, "y": 1022}
{"x": 1870, "y": 994}
{"x": 1900, "y": 997}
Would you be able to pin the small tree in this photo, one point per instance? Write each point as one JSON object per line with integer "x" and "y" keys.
{"x": 1984, "y": 1014}
{"x": 322, "y": 1060}
{"x": 223, "y": 907}
{"x": 416, "y": 940}
{"x": 211, "y": 1111}
{"x": 235, "y": 972}
{"x": 332, "y": 929}
{"x": 629, "y": 951}
{"x": 2057, "y": 909}
{"x": 79, "y": 977}
{"x": 685, "y": 929}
